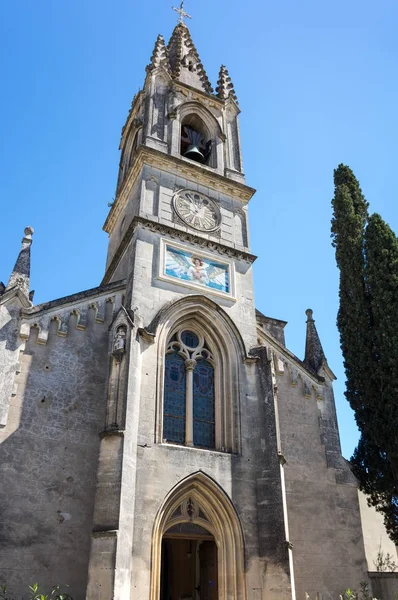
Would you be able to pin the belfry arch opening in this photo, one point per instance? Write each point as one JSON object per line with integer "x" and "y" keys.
{"x": 196, "y": 142}
{"x": 197, "y": 550}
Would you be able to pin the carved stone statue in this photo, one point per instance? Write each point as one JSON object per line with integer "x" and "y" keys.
{"x": 119, "y": 344}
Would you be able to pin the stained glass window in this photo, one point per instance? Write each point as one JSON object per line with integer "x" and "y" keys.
{"x": 190, "y": 339}
{"x": 174, "y": 399}
{"x": 203, "y": 405}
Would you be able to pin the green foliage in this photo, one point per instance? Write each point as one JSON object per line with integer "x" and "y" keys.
{"x": 367, "y": 256}
{"x": 35, "y": 593}
{"x": 351, "y": 594}
{"x": 4, "y": 594}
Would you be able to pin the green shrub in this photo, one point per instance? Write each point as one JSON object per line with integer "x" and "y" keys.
{"x": 36, "y": 593}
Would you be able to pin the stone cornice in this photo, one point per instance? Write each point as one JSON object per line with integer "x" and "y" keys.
{"x": 111, "y": 433}
{"x": 102, "y": 533}
{"x": 74, "y": 298}
{"x": 184, "y": 236}
{"x": 178, "y": 166}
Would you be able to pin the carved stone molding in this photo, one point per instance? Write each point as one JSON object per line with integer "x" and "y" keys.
{"x": 100, "y": 533}
{"x": 111, "y": 432}
{"x": 184, "y": 236}
{"x": 203, "y": 175}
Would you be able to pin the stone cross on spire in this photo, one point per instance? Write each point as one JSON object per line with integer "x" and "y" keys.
{"x": 182, "y": 12}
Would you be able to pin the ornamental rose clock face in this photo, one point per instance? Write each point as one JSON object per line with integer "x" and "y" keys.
{"x": 197, "y": 210}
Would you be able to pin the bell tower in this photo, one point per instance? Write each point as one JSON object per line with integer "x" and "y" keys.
{"x": 179, "y": 134}
{"x": 183, "y": 388}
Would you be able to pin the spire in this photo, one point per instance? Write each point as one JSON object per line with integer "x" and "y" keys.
{"x": 20, "y": 276}
{"x": 184, "y": 60}
{"x": 225, "y": 87}
{"x": 314, "y": 354}
{"x": 159, "y": 55}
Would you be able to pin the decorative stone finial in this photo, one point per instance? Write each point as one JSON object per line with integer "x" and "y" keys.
{"x": 225, "y": 87}
{"x": 20, "y": 276}
{"x": 159, "y": 55}
{"x": 314, "y": 354}
{"x": 29, "y": 231}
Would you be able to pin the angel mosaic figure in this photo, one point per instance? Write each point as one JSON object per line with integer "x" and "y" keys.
{"x": 198, "y": 271}
{"x": 185, "y": 266}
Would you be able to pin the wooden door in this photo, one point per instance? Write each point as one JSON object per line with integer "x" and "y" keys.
{"x": 208, "y": 571}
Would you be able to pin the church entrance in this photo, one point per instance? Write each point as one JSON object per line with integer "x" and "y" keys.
{"x": 197, "y": 548}
{"x": 189, "y": 569}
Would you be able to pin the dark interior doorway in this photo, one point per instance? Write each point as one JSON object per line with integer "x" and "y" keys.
{"x": 189, "y": 564}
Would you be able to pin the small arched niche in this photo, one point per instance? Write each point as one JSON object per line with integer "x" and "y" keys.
{"x": 196, "y": 142}
{"x": 128, "y": 153}
{"x": 137, "y": 138}
{"x": 240, "y": 231}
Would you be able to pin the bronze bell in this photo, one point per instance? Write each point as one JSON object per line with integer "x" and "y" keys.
{"x": 194, "y": 153}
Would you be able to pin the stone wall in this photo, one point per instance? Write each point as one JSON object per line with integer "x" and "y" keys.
{"x": 374, "y": 534}
{"x": 9, "y": 357}
{"x": 49, "y": 451}
{"x": 322, "y": 501}
{"x": 152, "y": 198}
{"x": 384, "y": 585}
{"x": 150, "y": 468}
{"x": 250, "y": 479}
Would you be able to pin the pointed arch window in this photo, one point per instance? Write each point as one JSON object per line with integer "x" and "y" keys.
{"x": 189, "y": 391}
{"x": 174, "y": 399}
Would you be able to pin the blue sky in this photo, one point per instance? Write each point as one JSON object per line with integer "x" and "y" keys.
{"x": 317, "y": 84}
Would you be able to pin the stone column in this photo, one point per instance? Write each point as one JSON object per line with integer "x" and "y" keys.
{"x": 189, "y": 366}
{"x": 109, "y": 571}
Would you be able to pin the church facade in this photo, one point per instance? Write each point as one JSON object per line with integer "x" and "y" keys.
{"x": 158, "y": 439}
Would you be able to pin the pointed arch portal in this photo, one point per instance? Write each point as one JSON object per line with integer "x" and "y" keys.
{"x": 197, "y": 525}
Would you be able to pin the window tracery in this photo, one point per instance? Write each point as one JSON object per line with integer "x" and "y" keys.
{"x": 222, "y": 346}
{"x": 189, "y": 391}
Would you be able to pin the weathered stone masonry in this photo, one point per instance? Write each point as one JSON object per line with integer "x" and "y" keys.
{"x": 90, "y": 481}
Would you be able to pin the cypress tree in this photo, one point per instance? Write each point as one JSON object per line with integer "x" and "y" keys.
{"x": 348, "y": 225}
{"x": 367, "y": 256}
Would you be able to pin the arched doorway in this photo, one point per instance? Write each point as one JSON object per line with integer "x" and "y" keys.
{"x": 197, "y": 551}
{"x": 189, "y": 568}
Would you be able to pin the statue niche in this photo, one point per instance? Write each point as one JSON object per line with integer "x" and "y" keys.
{"x": 196, "y": 143}
{"x": 119, "y": 343}
{"x": 117, "y": 381}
